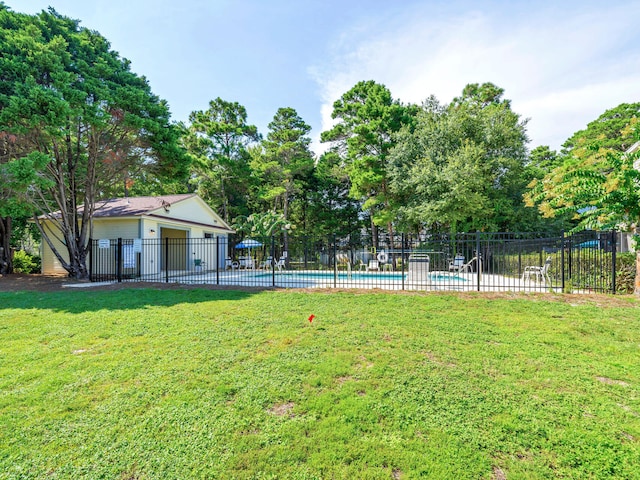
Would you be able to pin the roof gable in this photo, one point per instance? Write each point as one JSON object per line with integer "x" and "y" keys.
{"x": 131, "y": 206}
{"x": 633, "y": 149}
{"x": 163, "y": 206}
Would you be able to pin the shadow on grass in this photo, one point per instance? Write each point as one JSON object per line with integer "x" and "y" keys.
{"x": 123, "y": 299}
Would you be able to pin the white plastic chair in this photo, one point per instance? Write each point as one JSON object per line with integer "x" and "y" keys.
{"x": 248, "y": 263}
{"x": 459, "y": 266}
{"x": 540, "y": 273}
{"x": 266, "y": 263}
{"x": 374, "y": 265}
{"x": 281, "y": 263}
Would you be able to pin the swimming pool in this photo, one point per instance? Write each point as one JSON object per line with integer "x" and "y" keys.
{"x": 441, "y": 277}
{"x": 332, "y": 275}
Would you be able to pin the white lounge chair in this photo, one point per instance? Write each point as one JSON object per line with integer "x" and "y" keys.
{"x": 247, "y": 263}
{"x": 374, "y": 265}
{"x": 266, "y": 263}
{"x": 281, "y": 263}
{"x": 230, "y": 264}
{"x": 459, "y": 266}
{"x": 540, "y": 273}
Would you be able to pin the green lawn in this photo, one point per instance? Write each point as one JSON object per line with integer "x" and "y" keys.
{"x": 138, "y": 384}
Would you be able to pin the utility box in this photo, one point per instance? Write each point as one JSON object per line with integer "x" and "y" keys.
{"x": 418, "y": 268}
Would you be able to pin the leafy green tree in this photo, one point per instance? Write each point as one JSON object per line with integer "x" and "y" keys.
{"x": 541, "y": 161}
{"x": 461, "y": 167}
{"x": 326, "y": 208}
{"x": 481, "y": 96}
{"x": 218, "y": 139}
{"x": 11, "y": 207}
{"x": 82, "y": 119}
{"x": 284, "y": 163}
{"x": 606, "y": 129}
{"x": 367, "y": 118}
{"x": 599, "y": 186}
{"x": 262, "y": 225}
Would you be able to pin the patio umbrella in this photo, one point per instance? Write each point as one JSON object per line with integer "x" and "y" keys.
{"x": 249, "y": 243}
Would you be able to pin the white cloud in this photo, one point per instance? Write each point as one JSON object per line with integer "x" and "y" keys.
{"x": 557, "y": 115}
{"x": 561, "y": 69}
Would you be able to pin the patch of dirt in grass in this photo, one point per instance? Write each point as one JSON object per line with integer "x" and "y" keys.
{"x": 628, "y": 436}
{"x": 434, "y": 359}
{"x": 628, "y": 409}
{"x": 364, "y": 363}
{"x": 396, "y": 474}
{"x": 574, "y": 299}
{"x": 282, "y": 409}
{"x": 498, "y": 474}
{"x": 18, "y": 282}
{"x": 344, "y": 379}
{"x": 611, "y": 381}
{"x": 131, "y": 474}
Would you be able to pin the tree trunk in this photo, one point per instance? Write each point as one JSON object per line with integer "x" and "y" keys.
{"x": 225, "y": 203}
{"x": 637, "y": 282}
{"x": 374, "y": 234}
{"x": 285, "y": 211}
{"x": 6, "y": 253}
{"x": 636, "y": 246}
{"x": 78, "y": 261}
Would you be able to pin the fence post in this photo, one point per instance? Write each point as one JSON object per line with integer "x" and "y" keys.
{"x": 273, "y": 261}
{"x": 306, "y": 247}
{"x": 402, "y": 257}
{"x": 613, "y": 260}
{"x": 91, "y": 259}
{"x": 520, "y": 261}
{"x": 570, "y": 252}
{"x": 119, "y": 260}
{"x": 335, "y": 263}
{"x": 166, "y": 260}
{"x": 479, "y": 258}
{"x": 562, "y": 259}
{"x": 218, "y": 260}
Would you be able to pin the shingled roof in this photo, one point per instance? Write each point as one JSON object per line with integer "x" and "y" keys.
{"x": 132, "y": 206}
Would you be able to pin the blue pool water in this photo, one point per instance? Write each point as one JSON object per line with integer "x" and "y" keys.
{"x": 357, "y": 276}
{"x": 447, "y": 278}
{"x": 341, "y": 276}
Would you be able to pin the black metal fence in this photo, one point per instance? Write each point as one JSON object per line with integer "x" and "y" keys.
{"x": 583, "y": 262}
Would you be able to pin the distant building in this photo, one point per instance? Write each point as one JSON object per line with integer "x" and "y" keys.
{"x": 151, "y": 220}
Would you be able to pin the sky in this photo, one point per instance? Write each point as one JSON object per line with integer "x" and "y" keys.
{"x": 561, "y": 63}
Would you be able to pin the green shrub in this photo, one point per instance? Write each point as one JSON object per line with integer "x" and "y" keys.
{"x": 25, "y": 263}
{"x": 625, "y": 272}
{"x": 589, "y": 271}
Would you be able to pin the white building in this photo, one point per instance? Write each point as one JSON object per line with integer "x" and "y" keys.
{"x": 147, "y": 222}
